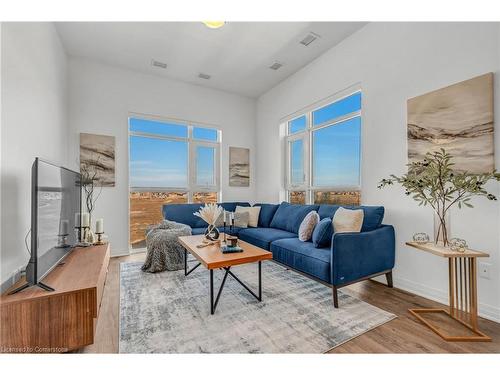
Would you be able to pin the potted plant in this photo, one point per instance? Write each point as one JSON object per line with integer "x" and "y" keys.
{"x": 433, "y": 182}
{"x": 89, "y": 182}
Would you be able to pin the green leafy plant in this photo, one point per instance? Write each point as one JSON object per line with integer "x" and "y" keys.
{"x": 433, "y": 182}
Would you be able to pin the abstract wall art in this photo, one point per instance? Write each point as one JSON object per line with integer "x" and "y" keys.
{"x": 97, "y": 153}
{"x": 458, "y": 118}
{"x": 239, "y": 166}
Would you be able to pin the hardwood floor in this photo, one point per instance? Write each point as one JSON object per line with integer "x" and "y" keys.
{"x": 402, "y": 335}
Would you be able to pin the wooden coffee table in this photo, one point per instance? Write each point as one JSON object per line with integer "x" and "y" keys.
{"x": 212, "y": 258}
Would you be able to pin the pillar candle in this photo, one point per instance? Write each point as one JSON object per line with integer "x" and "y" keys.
{"x": 85, "y": 220}
{"x": 99, "y": 226}
{"x": 64, "y": 227}
{"x": 78, "y": 220}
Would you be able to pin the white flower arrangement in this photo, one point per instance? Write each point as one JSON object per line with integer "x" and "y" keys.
{"x": 209, "y": 213}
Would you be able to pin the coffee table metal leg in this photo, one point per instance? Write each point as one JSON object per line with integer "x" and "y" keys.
{"x": 186, "y": 272}
{"x": 212, "y": 307}
{"x": 260, "y": 280}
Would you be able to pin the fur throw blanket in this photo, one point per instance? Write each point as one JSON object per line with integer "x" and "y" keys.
{"x": 163, "y": 250}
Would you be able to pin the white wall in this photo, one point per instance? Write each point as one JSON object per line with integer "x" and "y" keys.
{"x": 394, "y": 62}
{"x": 34, "y": 123}
{"x": 101, "y": 97}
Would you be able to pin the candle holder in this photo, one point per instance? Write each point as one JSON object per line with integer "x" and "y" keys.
{"x": 78, "y": 234}
{"x": 83, "y": 232}
{"x": 62, "y": 241}
{"x": 99, "y": 238}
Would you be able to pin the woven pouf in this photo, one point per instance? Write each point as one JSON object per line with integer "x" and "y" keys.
{"x": 164, "y": 252}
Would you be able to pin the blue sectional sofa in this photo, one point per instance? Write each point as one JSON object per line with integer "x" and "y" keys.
{"x": 345, "y": 259}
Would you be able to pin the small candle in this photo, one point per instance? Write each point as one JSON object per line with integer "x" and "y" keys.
{"x": 85, "y": 220}
{"x": 99, "y": 226}
{"x": 63, "y": 227}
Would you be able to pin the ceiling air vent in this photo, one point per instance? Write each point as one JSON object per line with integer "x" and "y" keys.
{"x": 158, "y": 64}
{"x": 276, "y": 66}
{"x": 311, "y": 37}
{"x": 204, "y": 76}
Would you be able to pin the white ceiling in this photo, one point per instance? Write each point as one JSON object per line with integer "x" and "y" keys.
{"x": 237, "y": 56}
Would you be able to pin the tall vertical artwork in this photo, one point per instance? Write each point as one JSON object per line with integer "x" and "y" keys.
{"x": 458, "y": 118}
{"x": 239, "y": 166}
{"x": 97, "y": 153}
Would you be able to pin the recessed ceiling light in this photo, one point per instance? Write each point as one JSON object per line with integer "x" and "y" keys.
{"x": 276, "y": 66}
{"x": 204, "y": 76}
{"x": 311, "y": 37}
{"x": 158, "y": 64}
{"x": 214, "y": 24}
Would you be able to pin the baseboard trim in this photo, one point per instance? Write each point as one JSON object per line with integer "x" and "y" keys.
{"x": 484, "y": 310}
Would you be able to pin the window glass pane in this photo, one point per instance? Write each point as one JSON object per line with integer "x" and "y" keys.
{"x": 347, "y": 198}
{"x": 336, "y": 154}
{"x": 297, "y": 162}
{"x": 297, "y": 125}
{"x": 157, "y": 127}
{"x": 205, "y": 197}
{"x": 205, "y": 134}
{"x": 205, "y": 166}
{"x": 297, "y": 197}
{"x": 157, "y": 162}
{"x": 146, "y": 209}
{"x": 340, "y": 108}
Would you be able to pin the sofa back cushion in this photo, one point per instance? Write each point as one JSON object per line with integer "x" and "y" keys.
{"x": 267, "y": 212}
{"x": 183, "y": 213}
{"x": 289, "y": 216}
{"x": 373, "y": 215}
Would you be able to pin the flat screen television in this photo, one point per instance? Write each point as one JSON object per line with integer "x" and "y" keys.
{"x": 55, "y": 212}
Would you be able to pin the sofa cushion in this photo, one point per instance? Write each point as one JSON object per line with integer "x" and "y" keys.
{"x": 307, "y": 226}
{"x": 267, "y": 212}
{"x": 183, "y": 213}
{"x": 347, "y": 221}
{"x": 373, "y": 215}
{"x": 262, "y": 237}
{"x": 289, "y": 216}
{"x": 323, "y": 232}
{"x": 303, "y": 256}
{"x": 253, "y": 212}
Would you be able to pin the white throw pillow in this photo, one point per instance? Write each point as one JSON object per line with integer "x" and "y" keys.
{"x": 253, "y": 212}
{"x": 346, "y": 220}
{"x": 307, "y": 226}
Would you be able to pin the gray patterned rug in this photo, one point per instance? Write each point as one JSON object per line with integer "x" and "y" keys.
{"x": 170, "y": 313}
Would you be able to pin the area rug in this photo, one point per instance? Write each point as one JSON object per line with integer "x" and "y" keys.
{"x": 170, "y": 313}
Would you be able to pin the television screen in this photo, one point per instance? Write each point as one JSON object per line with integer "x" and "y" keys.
{"x": 56, "y": 212}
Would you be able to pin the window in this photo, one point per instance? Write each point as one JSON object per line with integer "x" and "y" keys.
{"x": 324, "y": 153}
{"x": 169, "y": 162}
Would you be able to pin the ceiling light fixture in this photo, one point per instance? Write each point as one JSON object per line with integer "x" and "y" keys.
{"x": 158, "y": 64}
{"x": 276, "y": 66}
{"x": 311, "y": 37}
{"x": 214, "y": 24}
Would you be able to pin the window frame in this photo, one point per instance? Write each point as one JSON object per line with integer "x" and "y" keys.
{"x": 307, "y": 135}
{"x": 191, "y": 187}
{"x": 192, "y": 144}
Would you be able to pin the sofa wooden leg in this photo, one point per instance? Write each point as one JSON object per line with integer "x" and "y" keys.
{"x": 388, "y": 276}
{"x": 335, "y": 297}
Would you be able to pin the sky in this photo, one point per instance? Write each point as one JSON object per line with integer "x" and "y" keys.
{"x": 336, "y": 149}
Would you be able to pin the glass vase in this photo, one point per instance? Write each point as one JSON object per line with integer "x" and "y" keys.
{"x": 442, "y": 231}
{"x": 212, "y": 233}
